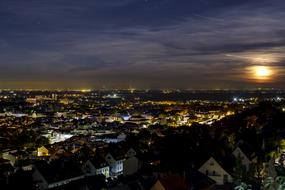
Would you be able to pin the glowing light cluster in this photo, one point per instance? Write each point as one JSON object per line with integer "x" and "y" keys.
{"x": 85, "y": 90}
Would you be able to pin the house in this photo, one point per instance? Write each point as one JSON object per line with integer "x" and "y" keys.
{"x": 216, "y": 172}
{"x": 25, "y": 164}
{"x": 196, "y": 180}
{"x": 240, "y": 155}
{"x": 131, "y": 163}
{"x": 14, "y": 155}
{"x": 96, "y": 166}
{"x": 115, "y": 159}
{"x": 172, "y": 182}
{"x": 43, "y": 151}
{"x": 9, "y": 155}
{"x": 87, "y": 183}
{"x": 55, "y": 174}
{"x": 6, "y": 170}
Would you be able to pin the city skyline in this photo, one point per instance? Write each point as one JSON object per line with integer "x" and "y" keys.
{"x": 144, "y": 44}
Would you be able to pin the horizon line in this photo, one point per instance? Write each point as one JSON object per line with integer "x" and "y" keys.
{"x": 139, "y": 89}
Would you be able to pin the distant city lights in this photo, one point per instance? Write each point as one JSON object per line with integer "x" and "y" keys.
{"x": 113, "y": 96}
{"x": 235, "y": 99}
{"x": 85, "y": 90}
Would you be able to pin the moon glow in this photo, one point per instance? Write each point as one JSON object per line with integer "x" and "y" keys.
{"x": 261, "y": 73}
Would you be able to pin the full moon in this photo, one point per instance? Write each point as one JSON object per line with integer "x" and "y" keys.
{"x": 262, "y": 73}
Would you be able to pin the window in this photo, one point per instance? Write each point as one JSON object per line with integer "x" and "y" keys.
{"x": 226, "y": 178}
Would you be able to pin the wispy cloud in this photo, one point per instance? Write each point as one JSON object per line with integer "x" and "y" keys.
{"x": 203, "y": 48}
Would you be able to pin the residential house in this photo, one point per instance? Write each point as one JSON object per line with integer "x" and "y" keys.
{"x": 115, "y": 159}
{"x": 240, "y": 155}
{"x": 43, "y": 151}
{"x": 96, "y": 166}
{"x": 131, "y": 163}
{"x": 216, "y": 172}
{"x": 197, "y": 181}
{"x": 55, "y": 174}
{"x": 172, "y": 182}
{"x": 6, "y": 170}
{"x": 14, "y": 155}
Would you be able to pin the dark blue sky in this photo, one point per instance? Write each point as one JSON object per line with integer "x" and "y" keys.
{"x": 141, "y": 43}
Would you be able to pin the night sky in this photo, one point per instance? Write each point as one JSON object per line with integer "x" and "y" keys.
{"x": 188, "y": 44}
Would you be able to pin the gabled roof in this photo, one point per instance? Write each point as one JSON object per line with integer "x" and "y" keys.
{"x": 227, "y": 163}
{"x": 98, "y": 162}
{"x": 247, "y": 150}
{"x": 131, "y": 150}
{"x": 198, "y": 180}
{"x": 58, "y": 170}
{"x": 117, "y": 151}
{"x": 173, "y": 182}
{"x": 7, "y": 167}
{"x": 91, "y": 182}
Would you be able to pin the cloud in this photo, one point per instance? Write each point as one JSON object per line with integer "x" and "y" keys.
{"x": 189, "y": 49}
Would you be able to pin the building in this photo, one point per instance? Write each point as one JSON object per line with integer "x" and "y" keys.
{"x": 245, "y": 161}
{"x": 116, "y": 163}
{"x": 55, "y": 174}
{"x": 216, "y": 172}
{"x": 131, "y": 163}
{"x": 172, "y": 182}
{"x": 96, "y": 166}
{"x": 6, "y": 170}
{"x": 43, "y": 151}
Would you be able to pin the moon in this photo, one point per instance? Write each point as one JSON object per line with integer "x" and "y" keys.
{"x": 261, "y": 73}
